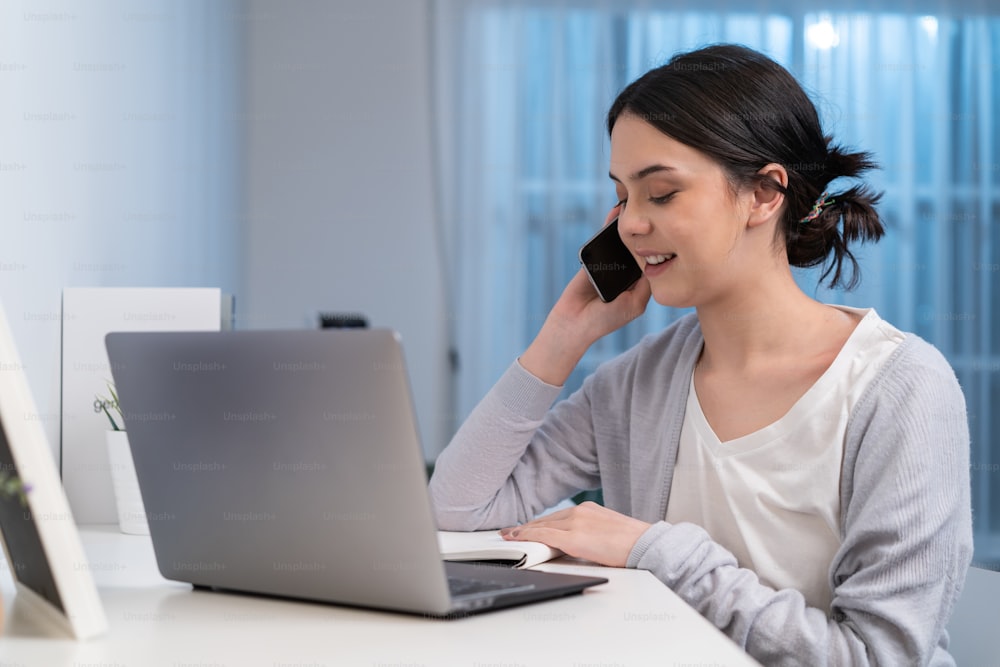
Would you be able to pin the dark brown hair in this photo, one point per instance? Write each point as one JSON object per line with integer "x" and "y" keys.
{"x": 745, "y": 111}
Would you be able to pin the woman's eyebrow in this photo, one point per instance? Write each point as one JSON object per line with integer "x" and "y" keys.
{"x": 643, "y": 173}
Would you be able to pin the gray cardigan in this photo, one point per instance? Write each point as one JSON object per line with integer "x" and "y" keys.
{"x": 906, "y": 520}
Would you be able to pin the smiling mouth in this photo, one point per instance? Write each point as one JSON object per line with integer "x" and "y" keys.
{"x": 659, "y": 259}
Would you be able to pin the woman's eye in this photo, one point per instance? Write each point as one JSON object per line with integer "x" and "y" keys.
{"x": 664, "y": 198}
{"x": 621, "y": 202}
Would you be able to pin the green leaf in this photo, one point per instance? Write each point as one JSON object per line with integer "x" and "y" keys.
{"x": 114, "y": 426}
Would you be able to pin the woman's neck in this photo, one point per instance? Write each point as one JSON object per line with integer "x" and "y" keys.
{"x": 765, "y": 323}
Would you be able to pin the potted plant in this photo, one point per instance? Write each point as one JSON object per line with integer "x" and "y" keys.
{"x": 131, "y": 513}
{"x": 11, "y": 486}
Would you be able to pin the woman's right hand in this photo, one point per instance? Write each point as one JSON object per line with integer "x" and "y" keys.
{"x": 578, "y": 319}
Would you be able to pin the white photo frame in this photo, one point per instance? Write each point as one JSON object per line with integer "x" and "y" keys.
{"x": 40, "y": 539}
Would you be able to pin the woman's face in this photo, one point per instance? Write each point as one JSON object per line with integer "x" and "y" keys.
{"x": 680, "y": 219}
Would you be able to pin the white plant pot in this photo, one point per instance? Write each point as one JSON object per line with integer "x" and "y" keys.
{"x": 131, "y": 513}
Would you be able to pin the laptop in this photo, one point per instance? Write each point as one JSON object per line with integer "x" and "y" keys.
{"x": 288, "y": 463}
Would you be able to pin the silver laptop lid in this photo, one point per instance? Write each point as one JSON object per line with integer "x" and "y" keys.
{"x": 282, "y": 462}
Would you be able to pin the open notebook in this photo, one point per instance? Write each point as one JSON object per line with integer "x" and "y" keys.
{"x": 488, "y": 546}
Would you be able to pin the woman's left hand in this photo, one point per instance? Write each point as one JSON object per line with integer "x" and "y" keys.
{"x": 587, "y": 531}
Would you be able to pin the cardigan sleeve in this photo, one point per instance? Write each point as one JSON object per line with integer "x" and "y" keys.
{"x": 906, "y": 538}
{"x": 513, "y": 457}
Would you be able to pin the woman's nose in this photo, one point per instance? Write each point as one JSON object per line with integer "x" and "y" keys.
{"x": 631, "y": 223}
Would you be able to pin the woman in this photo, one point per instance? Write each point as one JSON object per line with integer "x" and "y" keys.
{"x": 796, "y": 471}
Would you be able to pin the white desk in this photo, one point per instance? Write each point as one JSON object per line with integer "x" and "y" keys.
{"x": 633, "y": 620}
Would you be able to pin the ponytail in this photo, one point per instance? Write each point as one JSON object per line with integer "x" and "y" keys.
{"x": 843, "y": 219}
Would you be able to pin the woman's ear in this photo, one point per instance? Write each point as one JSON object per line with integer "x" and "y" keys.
{"x": 767, "y": 200}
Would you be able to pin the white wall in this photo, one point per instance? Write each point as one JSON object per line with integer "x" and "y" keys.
{"x": 339, "y": 169}
{"x": 118, "y": 159}
{"x": 129, "y": 150}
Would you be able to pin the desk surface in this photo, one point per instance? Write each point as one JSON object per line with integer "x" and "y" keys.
{"x": 632, "y": 620}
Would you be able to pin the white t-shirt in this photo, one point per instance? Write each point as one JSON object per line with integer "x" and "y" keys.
{"x": 772, "y": 497}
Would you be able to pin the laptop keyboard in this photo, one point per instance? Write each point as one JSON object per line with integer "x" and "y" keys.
{"x": 463, "y": 587}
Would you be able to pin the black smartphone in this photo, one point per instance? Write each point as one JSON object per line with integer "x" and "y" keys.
{"x": 608, "y": 263}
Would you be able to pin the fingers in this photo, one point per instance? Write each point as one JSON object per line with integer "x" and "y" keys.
{"x": 563, "y": 540}
{"x": 587, "y": 531}
{"x": 580, "y": 284}
{"x": 637, "y": 298}
{"x": 641, "y": 289}
{"x": 549, "y": 522}
{"x": 556, "y": 534}
{"x": 612, "y": 214}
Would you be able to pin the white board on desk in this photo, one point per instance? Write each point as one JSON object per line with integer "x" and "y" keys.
{"x": 88, "y": 314}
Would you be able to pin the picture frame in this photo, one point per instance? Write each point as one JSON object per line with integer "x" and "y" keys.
{"x": 40, "y": 539}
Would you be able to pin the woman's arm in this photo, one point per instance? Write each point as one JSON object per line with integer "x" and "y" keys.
{"x": 513, "y": 457}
